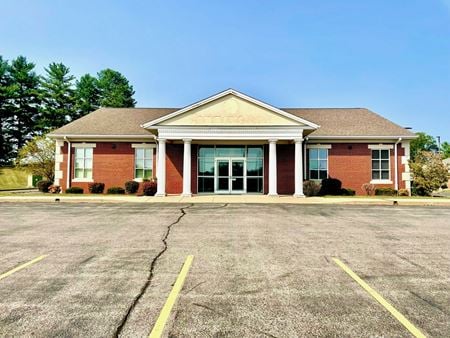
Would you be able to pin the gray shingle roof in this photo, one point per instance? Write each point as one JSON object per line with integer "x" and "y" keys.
{"x": 333, "y": 122}
{"x": 349, "y": 122}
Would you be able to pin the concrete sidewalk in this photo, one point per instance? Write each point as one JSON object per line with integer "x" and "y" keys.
{"x": 241, "y": 199}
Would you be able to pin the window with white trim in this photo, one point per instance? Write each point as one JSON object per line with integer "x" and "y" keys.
{"x": 318, "y": 163}
{"x": 380, "y": 164}
{"x": 83, "y": 162}
{"x": 143, "y": 163}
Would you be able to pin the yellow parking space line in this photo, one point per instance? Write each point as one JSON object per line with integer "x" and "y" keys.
{"x": 165, "y": 312}
{"x": 402, "y": 319}
{"x": 23, "y": 266}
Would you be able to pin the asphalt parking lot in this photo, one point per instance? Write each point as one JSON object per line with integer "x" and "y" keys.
{"x": 258, "y": 270}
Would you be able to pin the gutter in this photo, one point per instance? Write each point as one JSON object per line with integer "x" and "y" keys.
{"x": 69, "y": 158}
{"x": 396, "y": 163}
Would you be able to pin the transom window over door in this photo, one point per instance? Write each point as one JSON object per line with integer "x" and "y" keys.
{"x": 143, "y": 163}
{"x": 380, "y": 164}
{"x": 83, "y": 163}
{"x": 318, "y": 163}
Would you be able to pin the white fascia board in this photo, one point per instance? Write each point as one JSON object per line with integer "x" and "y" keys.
{"x": 222, "y": 94}
{"x": 93, "y": 136}
{"x": 362, "y": 138}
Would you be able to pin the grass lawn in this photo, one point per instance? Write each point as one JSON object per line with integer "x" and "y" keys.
{"x": 11, "y": 178}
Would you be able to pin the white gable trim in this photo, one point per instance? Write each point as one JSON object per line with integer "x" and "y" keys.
{"x": 237, "y": 94}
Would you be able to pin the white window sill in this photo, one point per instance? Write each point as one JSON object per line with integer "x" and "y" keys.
{"x": 381, "y": 182}
{"x": 82, "y": 180}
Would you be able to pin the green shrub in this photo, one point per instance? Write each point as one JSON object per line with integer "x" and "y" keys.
{"x": 96, "y": 187}
{"x": 330, "y": 186}
{"x": 311, "y": 188}
{"x": 131, "y": 187}
{"x": 74, "y": 190}
{"x": 44, "y": 185}
{"x": 403, "y": 192}
{"x": 116, "y": 191}
{"x": 347, "y": 192}
{"x": 385, "y": 192}
{"x": 149, "y": 188}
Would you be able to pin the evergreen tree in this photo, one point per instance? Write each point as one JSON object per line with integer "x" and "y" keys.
{"x": 57, "y": 96}
{"x": 23, "y": 112}
{"x": 5, "y": 111}
{"x": 115, "y": 90}
{"x": 87, "y": 96}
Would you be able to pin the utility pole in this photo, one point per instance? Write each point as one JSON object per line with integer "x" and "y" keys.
{"x": 439, "y": 144}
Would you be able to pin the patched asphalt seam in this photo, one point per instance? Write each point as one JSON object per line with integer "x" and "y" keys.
{"x": 150, "y": 273}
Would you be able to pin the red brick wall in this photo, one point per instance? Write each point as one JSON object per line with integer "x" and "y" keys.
{"x": 285, "y": 169}
{"x": 351, "y": 163}
{"x": 111, "y": 165}
{"x": 174, "y": 168}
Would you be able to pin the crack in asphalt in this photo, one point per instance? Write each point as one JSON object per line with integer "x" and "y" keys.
{"x": 150, "y": 273}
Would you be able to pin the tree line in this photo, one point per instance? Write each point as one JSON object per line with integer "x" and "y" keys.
{"x": 33, "y": 104}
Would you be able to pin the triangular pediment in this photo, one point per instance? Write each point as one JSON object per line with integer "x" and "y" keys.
{"x": 230, "y": 108}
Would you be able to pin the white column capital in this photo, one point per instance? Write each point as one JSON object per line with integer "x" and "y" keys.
{"x": 298, "y": 140}
{"x": 187, "y": 140}
{"x": 162, "y": 140}
{"x": 273, "y": 141}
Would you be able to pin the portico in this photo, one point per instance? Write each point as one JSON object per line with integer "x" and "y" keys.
{"x": 242, "y": 135}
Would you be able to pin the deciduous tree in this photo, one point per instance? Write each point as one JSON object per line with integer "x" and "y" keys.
{"x": 37, "y": 156}
{"x": 429, "y": 172}
{"x": 422, "y": 142}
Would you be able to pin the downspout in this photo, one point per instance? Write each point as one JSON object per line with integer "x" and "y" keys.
{"x": 69, "y": 158}
{"x": 396, "y": 163}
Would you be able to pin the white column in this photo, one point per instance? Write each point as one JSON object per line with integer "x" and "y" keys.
{"x": 273, "y": 168}
{"x": 298, "y": 171}
{"x": 161, "y": 170}
{"x": 187, "y": 168}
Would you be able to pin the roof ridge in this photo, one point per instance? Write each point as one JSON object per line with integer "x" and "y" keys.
{"x": 326, "y": 108}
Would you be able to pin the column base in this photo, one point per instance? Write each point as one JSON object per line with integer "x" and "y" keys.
{"x": 273, "y": 195}
{"x": 160, "y": 195}
{"x": 299, "y": 196}
{"x": 186, "y": 195}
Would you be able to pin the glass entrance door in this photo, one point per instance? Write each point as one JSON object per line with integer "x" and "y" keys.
{"x": 230, "y": 176}
{"x": 237, "y": 176}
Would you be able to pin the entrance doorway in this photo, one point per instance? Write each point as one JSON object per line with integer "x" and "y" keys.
{"x": 230, "y": 176}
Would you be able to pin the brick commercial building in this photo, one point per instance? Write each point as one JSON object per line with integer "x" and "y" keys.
{"x": 231, "y": 143}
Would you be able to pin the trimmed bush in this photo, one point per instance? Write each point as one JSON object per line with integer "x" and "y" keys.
{"x": 96, "y": 187}
{"x": 149, "y": 188}
{"x": 311, "y": 188}
{"x": 54, "y": 189}
{"x": 403, "y": 192}
{"x": 385, "y": 192}
{"x": 116, "y": 191}
{"x": 131, "y": 187}
{"x": 74, "y": 190}
{"x": 347, "y": 192}
{"x": 330, "y": 186}
{"x": 43, "y": 185}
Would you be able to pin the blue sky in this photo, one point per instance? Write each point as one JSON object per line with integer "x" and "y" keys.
{"x": 390, "y": 56}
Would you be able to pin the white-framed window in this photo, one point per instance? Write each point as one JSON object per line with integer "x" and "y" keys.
{"x": 318, "y": 163}
{"x": 380, "y": 165}
{"x": 83, "y": 163}
{"x": 143, "y": 163}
